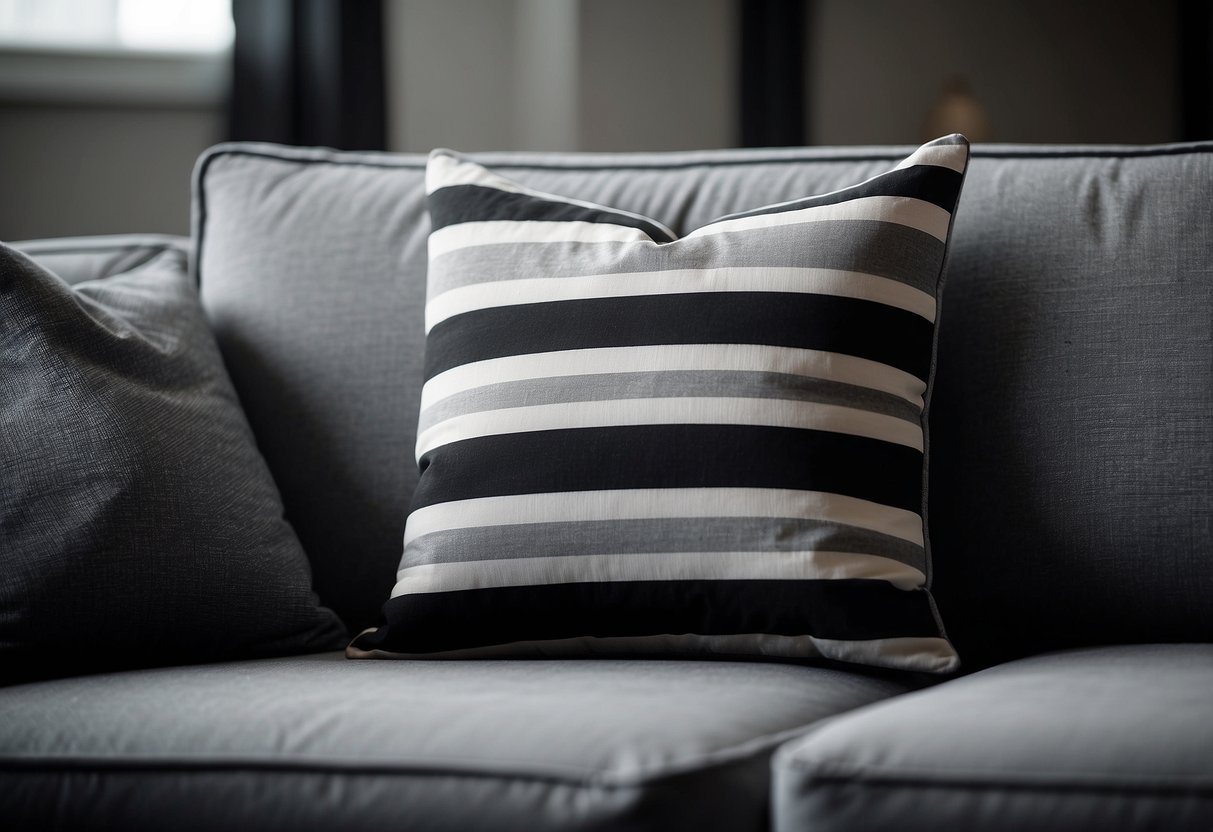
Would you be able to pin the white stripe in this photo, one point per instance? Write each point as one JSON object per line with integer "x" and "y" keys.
{"x": 951, "y": 156}
{"x": 663, "y": 503}
{"x": 496, "y": 232}
{"x": 934, "y": 655}
{"x": 818, "y": 364}
{"x": 835, "y": 282}
{"x": 901, "y": 210}
{"x": 447, "y": 168}
{"x": 929, "y": 654}
{"x": 685, "y": 410}
{"x": 662, "y": 566}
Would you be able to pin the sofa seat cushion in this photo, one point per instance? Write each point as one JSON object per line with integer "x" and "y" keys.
{"x": 312, "y": 268}
{"x": 318, "y": 742}
{"x": 1117, "y": 738}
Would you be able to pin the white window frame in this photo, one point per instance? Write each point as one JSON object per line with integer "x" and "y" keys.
{"x": 60, "y": 72}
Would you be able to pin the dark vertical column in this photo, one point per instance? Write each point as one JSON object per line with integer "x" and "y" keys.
{"x": 309, "y": 72}
{"x": 772, "y": 72}
{"x": 1195, "y": 40}
{"x": 261, "y": 106}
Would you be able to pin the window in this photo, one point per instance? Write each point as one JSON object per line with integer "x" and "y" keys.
{"x": 159, "y": 25}
{"x": 115, "y": 52}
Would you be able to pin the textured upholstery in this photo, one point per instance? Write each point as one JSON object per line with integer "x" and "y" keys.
{"x": 1116, "y": 739}
{"x": 319, "y": 742}
{"x": 1071, "y": 503}
{"x": 1072, "y": 454}
{"x": 139, "y": 525}
{"x": 76, "y": 259}
{"x": 1071, "y": 437}
{"x": 312, "y": 268}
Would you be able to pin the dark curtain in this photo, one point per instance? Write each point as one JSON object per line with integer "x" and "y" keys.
{"x": 1195, "y": 28}
{"x": 309, "y": 72}
{"x": 772, "y": 73}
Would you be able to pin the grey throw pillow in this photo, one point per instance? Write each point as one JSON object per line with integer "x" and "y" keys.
{"x": 139, "y": 522}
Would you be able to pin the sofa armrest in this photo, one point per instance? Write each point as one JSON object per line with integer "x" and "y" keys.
{"x": 77, "y": 259}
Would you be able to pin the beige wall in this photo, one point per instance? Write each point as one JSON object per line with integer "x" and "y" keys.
{"x": 662, "y": 74}
{"x": 629, "y": 75}
{"x": 450, "y": 73}
{"x": 561, "y": 74}
{"x": 71, "y": 170}
{"x": 1043, "y": 70}
{"x": 658, "y": 75}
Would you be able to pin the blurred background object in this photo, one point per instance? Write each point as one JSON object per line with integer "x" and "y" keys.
{"x": 105, "y": 104}
{"x": 308, "y": 72}
{"x": 957, "y": 110}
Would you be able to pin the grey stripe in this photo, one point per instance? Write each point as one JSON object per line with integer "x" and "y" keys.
{"x": 717, "y": 534}
{"x": 954, "y": 138}
{"x": 668, "y": 384}
{"x": 884, "y": 249}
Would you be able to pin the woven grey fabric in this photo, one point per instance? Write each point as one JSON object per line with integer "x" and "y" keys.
{"x": 1071, "y": 444}
{"x": 312, "y": 269}
{"x": 317, "y": 742}
{"x": 139, "y": 522}
{"x": 76, "y": 259}
{"x": 1116, "y": 739}
{"x": 1072, "y": 425}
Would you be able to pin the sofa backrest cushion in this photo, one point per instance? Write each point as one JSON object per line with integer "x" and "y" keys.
{"x": 1072, "y": 425}
{"x": 77, "y": 259}
{"x": 1070, "y": 431}
{"x": 312, "y": 268}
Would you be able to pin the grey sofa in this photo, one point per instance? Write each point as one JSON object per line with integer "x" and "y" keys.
{"x": 1071, "y": 511}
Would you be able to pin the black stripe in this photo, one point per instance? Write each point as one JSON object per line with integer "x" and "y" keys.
{"x": 476, "y": 203}
{"x": 929, "y": 183}
{"x": 832, "y": 609}
{"x": 851, "y": 326}
{"x": 672, "y": 456}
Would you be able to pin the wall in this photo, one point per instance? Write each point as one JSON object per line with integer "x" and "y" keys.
{"x": 561, "y": 74}
{"x": 624, "y": 75}
{"x": 70, "y": 169}
{"x": 450, "y": 73}
{"x": 1043, "y": 71}
{"x": 658, "y": 75}
{"x": 99, "y": 142}
{"x": 661, "y": 74}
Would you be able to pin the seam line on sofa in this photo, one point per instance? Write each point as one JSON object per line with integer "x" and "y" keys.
{"x": 280, "y": 766}
{"x": 894, "y": 154}
{"x": 735, "y": 754}
{"x": 23, "y": 245}
{"x": 589, "y": 778}
{"x": 232, "y": 150}
{"x": 1096, "y": 783}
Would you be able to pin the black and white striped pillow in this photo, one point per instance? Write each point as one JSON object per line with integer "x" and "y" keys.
{"x": 630, "y": 441}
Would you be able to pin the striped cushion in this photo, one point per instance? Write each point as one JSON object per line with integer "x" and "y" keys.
{"x": 631, "y": 441}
